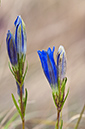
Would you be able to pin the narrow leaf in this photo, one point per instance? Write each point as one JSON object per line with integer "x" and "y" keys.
{"x": 61, "y": 124}
{"x": 10, "y": 68}
{"x": 65, "y": 99}
{"x": 55, "y": 90}
{"x": 16, "y": 105}
{"x": 54, "y": 98}
{"x": 25, "y": 72}
{"x": 25, "y": 100}
{"x": 58, "y": 84}
{"x": 63, "y": 88}
{"x": 56, "y": 125}
{"x": 12, "y": 72}
{"x": 63, "y": 85}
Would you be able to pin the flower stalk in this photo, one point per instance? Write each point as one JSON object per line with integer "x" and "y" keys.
{"x": 58, "y": 116}
{"x": 22, "y": 108}
{"x": 55, "y": 74}
{"x": 16, "y": 48}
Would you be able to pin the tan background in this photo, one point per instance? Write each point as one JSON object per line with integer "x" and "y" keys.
{"x": 48, "y": 23}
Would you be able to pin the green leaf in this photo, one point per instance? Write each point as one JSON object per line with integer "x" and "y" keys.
{"x": 55, "y": 90}
{"x": 25, "y": 100}
{"x": 13, "y": 72}
{"x": 61, "y": 124}
{"x": 54, "y": 98}
{"x": 56, "y": 125}
{"x": 63, "y": 85}
{"x": 65, "y": 99}
{"x": 10, "y": 68}
{"x": 17, "y": 107}
{"x": 19, "y": 100}
{"x": 63, "y": 88}
{"x": 25, "y": 72}
{"x": 58, "y": 82}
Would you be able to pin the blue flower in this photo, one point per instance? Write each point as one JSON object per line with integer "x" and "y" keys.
{"x": 11, "y": 48}
{"x": 52, "y": 71}
{"x": 61, "y": 63}
{"x": 20, "y": 37}
{"x": 16, "y": 48}
{"x": 49, "y": 66}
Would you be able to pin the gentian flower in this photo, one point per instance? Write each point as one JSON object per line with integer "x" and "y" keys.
{"x": 49, "y": 66}
{"x": 61, "y": 63}
{"x": 16, "y": 48}
{"x": 55, "y": 74}
{"x": 11, "y": 48}
{"x": 51, "y": 70}
{"x": 20, "y": 37}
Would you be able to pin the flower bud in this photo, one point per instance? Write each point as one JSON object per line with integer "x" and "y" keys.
{"x": 20, "y": 37}
{"x": 61, "y": 63}
{"x": 11, "y": 48}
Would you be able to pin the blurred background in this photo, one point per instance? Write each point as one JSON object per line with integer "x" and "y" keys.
{"x": 48, "y": 23}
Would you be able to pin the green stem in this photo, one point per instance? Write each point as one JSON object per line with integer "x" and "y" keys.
{"x": 58, "y": 116}
{"x": 79, "y": 118}
{"x": 22, "y": 109}
{"x": 23, "y": 124}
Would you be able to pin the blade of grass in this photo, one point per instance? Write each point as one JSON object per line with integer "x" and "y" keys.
{"x": 77, "y": 124}
{"x": 11, "y": 120}
{"x": 6, "y": 117}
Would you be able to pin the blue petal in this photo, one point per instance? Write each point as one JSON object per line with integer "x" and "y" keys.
{"x": 20, "y": 36}
{"x": 58, "y": 57}
{"x": 43, "y": 58}
{"x": 11, "y": 48}
{"x": 54, "y": 67}
{"x": 48, "y": 65}
{"x": 17, "y": 21}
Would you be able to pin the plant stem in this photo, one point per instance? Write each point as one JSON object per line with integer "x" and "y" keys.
{"x": 23, "y": 124}
{"x": 79, "y": 118}
{"x": 22, "y": 109}
{"x": 58, "y": 115}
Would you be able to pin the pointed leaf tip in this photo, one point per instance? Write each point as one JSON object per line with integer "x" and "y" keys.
{"x": 16, "y": 105}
